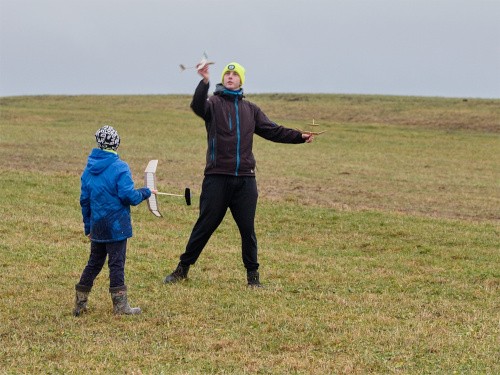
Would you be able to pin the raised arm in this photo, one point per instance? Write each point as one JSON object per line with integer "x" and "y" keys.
{"x": 199, "y": 104}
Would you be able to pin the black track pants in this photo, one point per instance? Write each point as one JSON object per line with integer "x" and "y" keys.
{"x": 219, "y": 193}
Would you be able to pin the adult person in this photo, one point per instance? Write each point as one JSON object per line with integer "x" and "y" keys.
{"x": 229, "y": 181}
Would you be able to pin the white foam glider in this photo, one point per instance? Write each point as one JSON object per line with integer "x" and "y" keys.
{"x": 150, "y": 181}
{"x": 204, "y": 61}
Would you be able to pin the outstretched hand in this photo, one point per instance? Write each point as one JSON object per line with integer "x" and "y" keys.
{"x": 308, "y": 137}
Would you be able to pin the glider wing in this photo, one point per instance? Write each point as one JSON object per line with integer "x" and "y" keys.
{"x": 150, "y": 181}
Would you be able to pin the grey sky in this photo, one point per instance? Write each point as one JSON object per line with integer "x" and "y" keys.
{"x": 399, "y": 47}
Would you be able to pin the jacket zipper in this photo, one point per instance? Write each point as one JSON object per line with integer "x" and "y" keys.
{"x": 238, "y": 136}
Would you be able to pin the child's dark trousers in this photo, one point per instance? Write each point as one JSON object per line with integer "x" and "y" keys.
{"x": 116, "y": 253}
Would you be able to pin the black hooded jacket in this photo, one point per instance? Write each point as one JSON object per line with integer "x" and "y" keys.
{"x": 231, "y": 122}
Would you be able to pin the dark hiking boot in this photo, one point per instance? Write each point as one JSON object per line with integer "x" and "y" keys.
{"x": 120, "y": 303}
{"x": 81, "y": 299}
{"x": 179, "y": 274}
{"x": 253, "y": 279}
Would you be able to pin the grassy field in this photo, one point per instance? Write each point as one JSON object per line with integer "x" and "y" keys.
{"x": 379, "y": 242}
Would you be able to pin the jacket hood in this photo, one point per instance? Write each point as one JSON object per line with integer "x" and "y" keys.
{"x": 220, "y": 89}
{"x": 99, "y": 160}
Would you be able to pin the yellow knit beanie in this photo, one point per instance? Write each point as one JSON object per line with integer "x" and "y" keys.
{"x": 235, "y": 67}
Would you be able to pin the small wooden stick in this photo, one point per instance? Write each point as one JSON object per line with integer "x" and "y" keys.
{"x": 172, "y": 195}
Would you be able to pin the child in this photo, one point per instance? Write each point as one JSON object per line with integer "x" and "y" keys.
{"x": 107, "y": 191}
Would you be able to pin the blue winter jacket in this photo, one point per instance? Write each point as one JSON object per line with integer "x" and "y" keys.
{"x": 107, "y": 192}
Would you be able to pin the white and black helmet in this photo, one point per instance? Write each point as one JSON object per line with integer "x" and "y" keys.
{"x": 107, "y": 138}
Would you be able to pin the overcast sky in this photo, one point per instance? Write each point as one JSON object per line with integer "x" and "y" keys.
{"x": 445, "y": 48}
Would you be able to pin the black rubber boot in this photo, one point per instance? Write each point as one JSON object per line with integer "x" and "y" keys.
{"x": 81, "y": 299}
{"x": 253, "y": 279}
{"x": 120, "y": 303}
{"x": 179, "y": 274}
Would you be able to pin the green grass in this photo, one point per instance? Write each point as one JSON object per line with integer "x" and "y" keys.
{"x": 379, "y": 242}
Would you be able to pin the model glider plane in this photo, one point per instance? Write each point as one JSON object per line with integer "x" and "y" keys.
{"x": 150, "y": 181}
{"x": 311, "y": 132}
{"x": 203, "y": 62}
